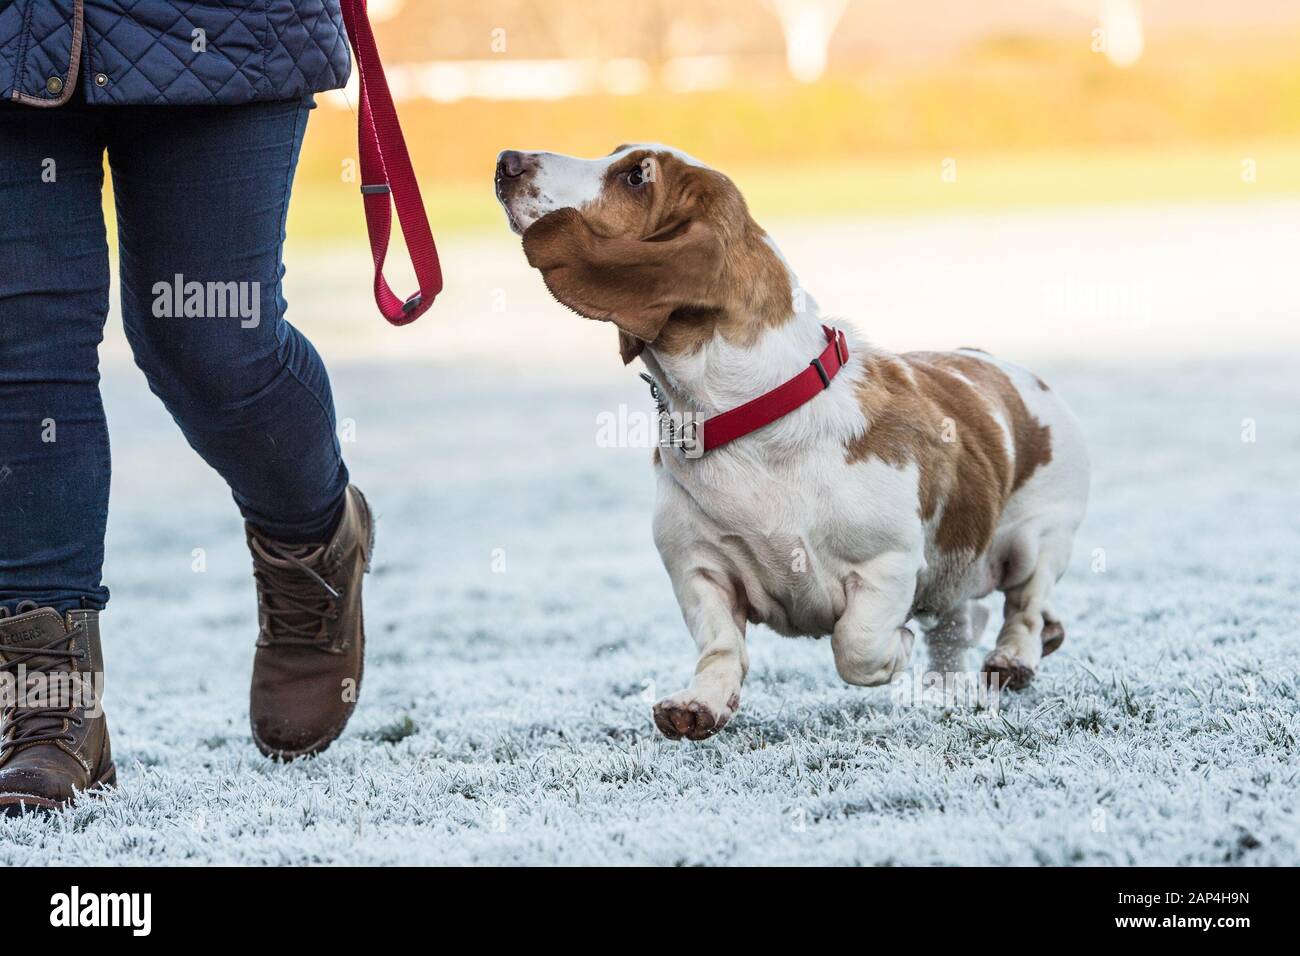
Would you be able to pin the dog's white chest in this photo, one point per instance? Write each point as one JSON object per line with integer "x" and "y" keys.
{"x": 789, "y": 534}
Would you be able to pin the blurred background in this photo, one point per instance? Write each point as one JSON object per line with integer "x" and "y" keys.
{"x": 1107, "y": 191}
{"x": 1044, "y": 177}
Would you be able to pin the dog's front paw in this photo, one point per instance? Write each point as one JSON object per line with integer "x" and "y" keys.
{"x": 686, "y": 715}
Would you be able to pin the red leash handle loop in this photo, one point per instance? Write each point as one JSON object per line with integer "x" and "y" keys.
{"x": 388, "y": 179}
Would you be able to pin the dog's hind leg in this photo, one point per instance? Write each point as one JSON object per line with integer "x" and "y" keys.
{"x": 1029, "y": 629}
{"x": 715, "y": 615}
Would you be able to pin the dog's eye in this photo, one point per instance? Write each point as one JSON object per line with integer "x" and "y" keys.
{"x": 635, "y": 177}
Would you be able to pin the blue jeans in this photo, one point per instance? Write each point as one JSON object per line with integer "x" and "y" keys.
{"x": 202, "y": 194}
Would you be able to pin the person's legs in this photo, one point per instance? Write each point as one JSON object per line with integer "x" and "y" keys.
{"x": 54, "y": 458}
{"x": 54, "y": 465}
{"x": 202, "y": 196}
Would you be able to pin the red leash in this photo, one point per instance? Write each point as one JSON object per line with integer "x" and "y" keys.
{"x": 387, "y": 178}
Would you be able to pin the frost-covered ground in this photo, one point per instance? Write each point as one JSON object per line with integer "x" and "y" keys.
{"x": 505, "y": 715}
{"x": 520, "y": 626}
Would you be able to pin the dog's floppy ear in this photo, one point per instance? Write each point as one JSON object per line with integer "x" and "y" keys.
{"x": 629, "y": 347}
{"x": 634, "y": 283}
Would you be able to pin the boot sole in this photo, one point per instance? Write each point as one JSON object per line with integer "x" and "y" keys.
{"x": 19, "y": 804}
{"x": 284, "y": 756}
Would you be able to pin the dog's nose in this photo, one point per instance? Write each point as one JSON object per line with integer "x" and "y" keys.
{"x": 511, "y": 164}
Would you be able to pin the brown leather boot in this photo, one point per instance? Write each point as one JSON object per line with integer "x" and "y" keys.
{"x": 311, "y": 645}
{"x": 52, "y": 747}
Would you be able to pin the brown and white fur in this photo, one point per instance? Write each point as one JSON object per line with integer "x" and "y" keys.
{"x": 914, "y": 485}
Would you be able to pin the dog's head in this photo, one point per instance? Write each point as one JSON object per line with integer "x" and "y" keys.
{"x": 647, "y": 238}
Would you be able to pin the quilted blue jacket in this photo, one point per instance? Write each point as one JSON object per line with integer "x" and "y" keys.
{"x": 170, "y": 51}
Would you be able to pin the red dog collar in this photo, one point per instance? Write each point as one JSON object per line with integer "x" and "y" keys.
{"x": 781, "y": 401}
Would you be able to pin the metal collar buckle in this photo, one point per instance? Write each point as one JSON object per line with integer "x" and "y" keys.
{"x": 685, "y": 438}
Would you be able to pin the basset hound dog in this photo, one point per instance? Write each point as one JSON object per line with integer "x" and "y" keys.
{"x": 828, "y": 487}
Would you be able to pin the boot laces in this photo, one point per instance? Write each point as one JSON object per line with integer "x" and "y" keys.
{"x": 34, "y": 725}
{"x": 297, "y": 603}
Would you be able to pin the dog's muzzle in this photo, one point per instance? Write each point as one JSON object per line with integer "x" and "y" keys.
{"x": 513, "y": 170}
